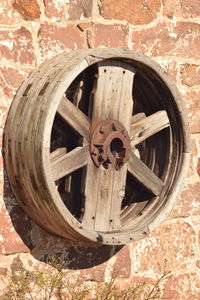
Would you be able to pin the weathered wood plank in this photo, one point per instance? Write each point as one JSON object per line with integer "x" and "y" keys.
{"x": 138, "y": 117}
{"x": 59, "y": 152}
{"x": 104, "y": 188}
{"x": 144, "y": 175}
{"x": 70, "y": 162}
{"x": 75, "y": 118}
{"x": 146, "y": 127}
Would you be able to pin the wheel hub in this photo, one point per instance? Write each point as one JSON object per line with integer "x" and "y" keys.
{"x": 110, "y": 144}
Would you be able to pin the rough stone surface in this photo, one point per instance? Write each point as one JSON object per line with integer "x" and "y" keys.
{"x": 10, "y": 80}
{"x": 166, "y": 39}
{"x": 29, "y": 9}
{"x": 122, "y": 265}
{"x": 94, "y": 273}
{"x": 69, "y": 10}
{"x": 190, "y": 8}
{"x": 170, "y": 67}
{"x": 54, "y": 39}
{"x": 12, "y": 77}
{"x": 136, "y": 12}
{"x": 12, "y": 242}
{"x": 109, "y": 36}
{"x": 171, "y": 8}
{"x": 17, "y": 46}
{"x": 190, "y": 75}
{"x": 182, "y": 287}
{"x": 172, "y": 244}
{"x": 181, "y": 8}
{"x": 8, "y": 15}
{"x": 79, "y": 9}
{"x": 194, "y": 157}
{"x": 54, "y": 9}
{"x": 188, "y": 203}
{"x": 193, "y": 104}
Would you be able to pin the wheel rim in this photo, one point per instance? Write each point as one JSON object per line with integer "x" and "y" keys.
{"x": 100, "y": 218}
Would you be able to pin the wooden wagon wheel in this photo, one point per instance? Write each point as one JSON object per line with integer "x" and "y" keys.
{"x": 97, "y": 145}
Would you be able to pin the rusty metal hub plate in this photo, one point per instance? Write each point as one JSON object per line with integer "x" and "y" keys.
{"x": 110, "y": 144}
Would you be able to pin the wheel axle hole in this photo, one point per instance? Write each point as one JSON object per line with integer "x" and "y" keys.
{"x": 116, "y": 147}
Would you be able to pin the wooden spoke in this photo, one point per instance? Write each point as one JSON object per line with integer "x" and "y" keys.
{"x": 137, "y": 117}
{"x": 70, "y": 162}
{"x": 144, "y": 175}
{"x": 74, "y": 117}
{"x": 104, "y": 188}
{"x": 57, "y": 153}
{"x": 144, "y": 127}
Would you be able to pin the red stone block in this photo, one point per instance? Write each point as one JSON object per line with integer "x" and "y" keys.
{"x": 17, "y": 45}
{"x": 171, "y": 8}
{"x": 10, "y": 80}
{"x": 29, "y": 9}
{"x": 122, "y": 266}
{"x": 181, "y": 8}
{"x": 193, "y": 104}
{"x": 190, "y": 75}
{"x": 12, "y": 76}
{"x": 170, "y": 67}
{"x": 8, "y": 14}
{"x": 154, "y": 41}
{"x": 165, "y": 249}
{"x": 5, "y": 93}
{"x": 168, "y": 39}
{"x": 109, "y": 36}
{"x": 136, "y": 12}
{"x": 93, "y": 274}
{"x": 80, "y": 8}
{"x": 54, "y": 39}
{"x": 53, "y": 9}
{"x": 190, "y": 8}
{"x": 71, "y": 10}
{"x": 183, "y": 287}
{"x": 188, "y": 202}
{"x": 187, "y": 40}
{"x": 135, "y": 281}
{"x": 11, "y": 242}
{"x": 193, "y": 157}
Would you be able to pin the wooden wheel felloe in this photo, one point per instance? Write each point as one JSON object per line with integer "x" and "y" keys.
{"x": 97, "y": 145}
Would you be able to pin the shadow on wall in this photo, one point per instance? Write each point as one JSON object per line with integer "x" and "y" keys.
{"x": 44, "y": 245}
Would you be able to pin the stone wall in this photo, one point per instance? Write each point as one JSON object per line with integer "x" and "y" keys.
{"x": 32, "y": 31}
